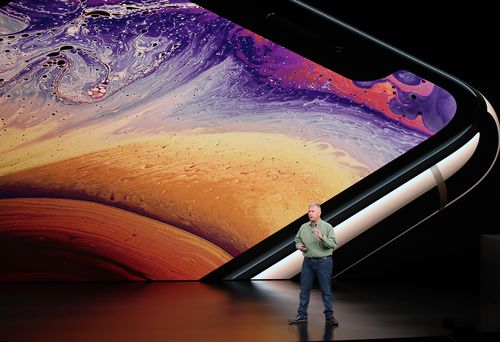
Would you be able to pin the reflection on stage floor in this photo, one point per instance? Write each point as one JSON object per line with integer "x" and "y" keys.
{"x": 233, "y": 311}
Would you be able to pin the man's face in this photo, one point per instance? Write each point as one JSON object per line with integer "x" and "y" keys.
{"x": 314, "y": 213}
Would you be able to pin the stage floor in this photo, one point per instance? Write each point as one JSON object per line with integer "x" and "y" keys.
{"x": 239, "y": 311}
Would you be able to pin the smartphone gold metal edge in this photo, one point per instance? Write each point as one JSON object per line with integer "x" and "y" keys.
{"x": 435, "y": 176}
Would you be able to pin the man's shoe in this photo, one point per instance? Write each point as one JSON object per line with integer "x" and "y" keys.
{"x": 332, "y": 321}
{"x": 297, "y": 319}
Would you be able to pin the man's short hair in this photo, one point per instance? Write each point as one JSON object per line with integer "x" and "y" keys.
{"x": 315, "y": 204}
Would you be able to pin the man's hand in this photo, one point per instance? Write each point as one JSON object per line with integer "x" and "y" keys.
{"x": 318, "y": 234}
{"x": 302, "y": 248}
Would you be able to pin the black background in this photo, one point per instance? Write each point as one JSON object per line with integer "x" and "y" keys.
{"x": 461, "y": 41}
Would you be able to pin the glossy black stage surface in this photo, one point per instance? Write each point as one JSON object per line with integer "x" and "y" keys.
{"x": 241, "y": 311}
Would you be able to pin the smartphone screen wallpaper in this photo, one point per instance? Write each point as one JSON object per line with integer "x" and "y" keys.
{"x": 158, "y": 140}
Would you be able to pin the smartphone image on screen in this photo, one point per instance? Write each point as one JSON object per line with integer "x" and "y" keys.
{"x": 153, "y": 140}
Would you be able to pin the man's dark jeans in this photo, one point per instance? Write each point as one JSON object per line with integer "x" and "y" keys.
{"x": 322, "y": 270}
